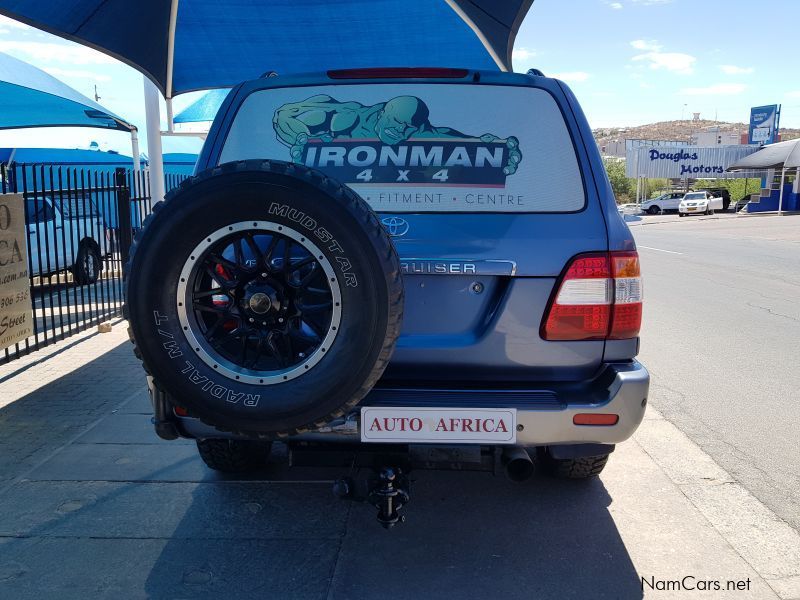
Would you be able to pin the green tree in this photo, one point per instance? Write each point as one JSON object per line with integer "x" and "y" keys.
{"x": 623, "y": 189}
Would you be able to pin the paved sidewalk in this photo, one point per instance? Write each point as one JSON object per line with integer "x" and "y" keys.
{"x": 94, "y": 505}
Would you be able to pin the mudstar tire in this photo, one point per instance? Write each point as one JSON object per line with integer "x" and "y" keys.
{"x": 265, "y": 297}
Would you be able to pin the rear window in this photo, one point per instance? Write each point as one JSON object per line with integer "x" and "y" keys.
{"x": 695, "y": 196}
{"x": 420, "y": 147}
{"x": 74, "y": 208}
{"x": 38, "y": 210}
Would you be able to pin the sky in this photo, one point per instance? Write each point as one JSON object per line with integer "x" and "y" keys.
{"x": 629, "y": 62}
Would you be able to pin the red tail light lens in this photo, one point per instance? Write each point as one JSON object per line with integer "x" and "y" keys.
{"x": 399, "y": 73}
{"x": 600, "y": 297}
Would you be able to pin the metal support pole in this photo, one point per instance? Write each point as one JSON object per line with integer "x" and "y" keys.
{"x": 137, "y": 162}
{"x": 780, "y": 194}
{"x": 154, "y": 152}
{"x": 170, "y": 123}
{"x": 123, "y": 215}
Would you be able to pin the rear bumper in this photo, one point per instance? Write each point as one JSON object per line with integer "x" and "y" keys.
{"x": 623, "y": 391}
{"x": 545, "y": 413}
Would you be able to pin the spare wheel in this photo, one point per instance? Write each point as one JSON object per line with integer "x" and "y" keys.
{"x": 264, "y": 297}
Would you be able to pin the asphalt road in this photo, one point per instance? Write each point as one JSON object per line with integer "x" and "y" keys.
{"x": 721, "y": 338}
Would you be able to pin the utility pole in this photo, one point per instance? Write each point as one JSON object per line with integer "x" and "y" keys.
{"x": 96, "y": 96}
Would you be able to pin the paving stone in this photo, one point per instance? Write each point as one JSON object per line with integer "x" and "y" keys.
{"x": 222, "y": 510}
{"x": 65, "y": 568}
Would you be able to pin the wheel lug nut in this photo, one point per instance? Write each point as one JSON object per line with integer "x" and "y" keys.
{"x": 251, "y": 319}
{"x": 264, "y": 275}
{"x": 280, "y": 320}
{"x": 263, "y": 322}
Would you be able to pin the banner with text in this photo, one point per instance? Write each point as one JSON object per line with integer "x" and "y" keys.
{"x": 686, "y": 162}
{"x": 16, "y": 323}
{"x": 764, "y": 124}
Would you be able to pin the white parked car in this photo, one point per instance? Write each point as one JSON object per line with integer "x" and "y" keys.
{"x": 662, "y": 203}
{"x": 702, "y": 203}
{"x": 66, "y": 234}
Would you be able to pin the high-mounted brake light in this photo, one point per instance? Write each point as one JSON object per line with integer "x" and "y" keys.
{"x": 600, "y": 297}
{"x": 399, "y": 73}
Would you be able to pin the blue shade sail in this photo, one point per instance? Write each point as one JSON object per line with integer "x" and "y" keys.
{"x": 29, "y": 97}
{"x": 203, "y": 109}
{"x": 203, "y": 44}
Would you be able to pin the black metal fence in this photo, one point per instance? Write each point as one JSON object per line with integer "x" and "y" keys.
{"x": 80, "y": 224}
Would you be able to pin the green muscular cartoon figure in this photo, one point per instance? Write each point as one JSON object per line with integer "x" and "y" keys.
{"x": 400, "y": 119}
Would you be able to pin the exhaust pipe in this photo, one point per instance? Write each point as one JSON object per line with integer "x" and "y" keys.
{"x": 517, "y": 463}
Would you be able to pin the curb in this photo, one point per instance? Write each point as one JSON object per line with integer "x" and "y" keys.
{"x": 763, "y": 540}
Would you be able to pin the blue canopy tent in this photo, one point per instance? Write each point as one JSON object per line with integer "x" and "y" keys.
{"x": 202, "y": 44}
{"x": 29, "y": 97}
{"x": 204, "y": 108}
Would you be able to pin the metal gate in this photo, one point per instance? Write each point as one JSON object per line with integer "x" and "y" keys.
{"x": 80, "y": 224}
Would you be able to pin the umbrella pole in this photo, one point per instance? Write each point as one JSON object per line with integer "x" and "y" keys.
{"x": 154, "y": 152}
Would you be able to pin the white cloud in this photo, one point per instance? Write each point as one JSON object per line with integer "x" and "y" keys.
{"x": 719, "y": 89}
{"x": 734, "y": 70}
{"x": 794, "y": 94}
{"x": 649, "y": 45}
{"x": 56, "y": 72}
{"x": 7, "y": 23}
{"x": 522, "y": 54}
{"x": 616, "y": 5}
{"x": 677, "y": 62}
{"x": 57, "y": 52}
{"x": 571, "y": 76}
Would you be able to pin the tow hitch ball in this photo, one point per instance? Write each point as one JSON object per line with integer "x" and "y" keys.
{"x": 388, "y": 492}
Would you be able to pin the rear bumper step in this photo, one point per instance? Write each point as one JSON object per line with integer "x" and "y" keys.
{"x": 544, "y": 416}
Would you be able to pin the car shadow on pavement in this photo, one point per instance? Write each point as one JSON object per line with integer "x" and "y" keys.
{"x": 119, "y": 513}
{"x": 467, "y": 535}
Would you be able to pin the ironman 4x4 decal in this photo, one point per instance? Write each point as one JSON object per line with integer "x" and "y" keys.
{"x": 391, "y": 142}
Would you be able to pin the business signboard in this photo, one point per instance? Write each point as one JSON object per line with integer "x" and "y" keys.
{"x": 764, "y": 121}
{"x": 685, "y": 162}
{"x": 15, "y": 302}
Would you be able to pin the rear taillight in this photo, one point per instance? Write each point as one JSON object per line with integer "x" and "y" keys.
{"x": 600, "y": 297}
{"x": 399, "y": 73}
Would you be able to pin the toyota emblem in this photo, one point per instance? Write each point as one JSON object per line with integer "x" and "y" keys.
{"x": 395, "y": 226}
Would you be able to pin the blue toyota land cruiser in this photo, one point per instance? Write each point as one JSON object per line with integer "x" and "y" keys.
{"x": 422, "y": 265}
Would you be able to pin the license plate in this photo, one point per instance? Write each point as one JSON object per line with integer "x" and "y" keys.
{"x": 381, "y": 424}
{"x": 691, "y": 209}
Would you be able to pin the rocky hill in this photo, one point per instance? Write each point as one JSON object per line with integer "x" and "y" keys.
{"x": 675, "y": 130}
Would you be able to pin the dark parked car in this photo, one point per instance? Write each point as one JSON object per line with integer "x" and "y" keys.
{"x": 722, "y": 192}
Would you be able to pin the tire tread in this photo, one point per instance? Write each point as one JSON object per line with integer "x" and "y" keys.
{"x": 349, "y": 200}
{"x": 578, "y": 468}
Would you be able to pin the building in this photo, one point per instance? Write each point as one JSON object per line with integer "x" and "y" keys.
{"x": 714, "y": 137}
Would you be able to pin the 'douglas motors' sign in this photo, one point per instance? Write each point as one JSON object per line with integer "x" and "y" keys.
{"x": 15, "y": 303}
{"x": 684, "y": 162}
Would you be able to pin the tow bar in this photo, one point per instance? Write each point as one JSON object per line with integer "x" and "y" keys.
{"x": 388, "y": 491}
{"x": 380, "y": 475}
